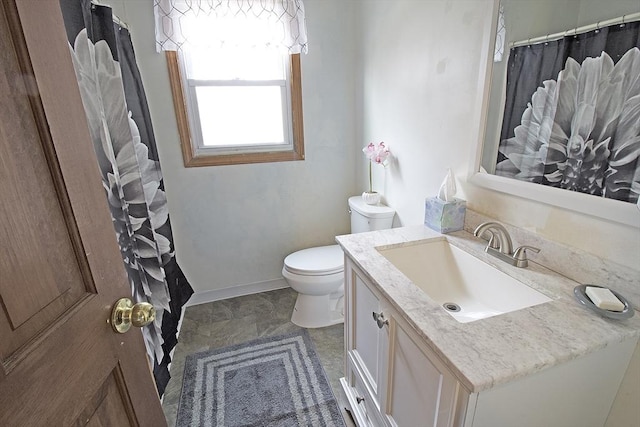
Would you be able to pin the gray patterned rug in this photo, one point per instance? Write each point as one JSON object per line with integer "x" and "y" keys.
{"x": 274, "y": 381}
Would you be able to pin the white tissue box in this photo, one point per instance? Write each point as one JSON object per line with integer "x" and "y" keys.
{"x": 444, "y": 217}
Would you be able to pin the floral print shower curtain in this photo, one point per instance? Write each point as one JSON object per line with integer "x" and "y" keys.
{"x": 120, "y": 126}
{"x": 572, "y": 113}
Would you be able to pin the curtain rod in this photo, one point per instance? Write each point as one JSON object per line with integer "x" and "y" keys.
{"x": 120, "y": 22}
{"x": 557, "y": 36}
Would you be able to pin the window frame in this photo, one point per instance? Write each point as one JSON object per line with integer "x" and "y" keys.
{"x": 194, "y": 156}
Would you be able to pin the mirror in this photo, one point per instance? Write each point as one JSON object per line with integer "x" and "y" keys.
{"x": 524, "y": 21}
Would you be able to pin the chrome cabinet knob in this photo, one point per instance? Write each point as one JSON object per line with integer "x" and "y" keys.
{"x": 380, "y": 320}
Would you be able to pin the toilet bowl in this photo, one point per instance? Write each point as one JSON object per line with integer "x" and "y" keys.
{"x": 317, "y": 274}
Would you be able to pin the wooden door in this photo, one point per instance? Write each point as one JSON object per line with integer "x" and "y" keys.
{"x": 60, "y": 268}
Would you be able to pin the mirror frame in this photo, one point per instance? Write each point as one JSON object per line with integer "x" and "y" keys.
{"x": 600, "y": 207}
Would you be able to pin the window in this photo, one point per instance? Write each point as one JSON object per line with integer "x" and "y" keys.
{"x": 237, "y": 106}
{"x": 237, "y": 99}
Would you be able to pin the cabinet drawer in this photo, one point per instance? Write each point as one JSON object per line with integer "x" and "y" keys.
{"x": 363, "y": 403}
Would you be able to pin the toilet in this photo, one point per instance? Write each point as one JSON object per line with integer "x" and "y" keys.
{"x": 317, "y": 274}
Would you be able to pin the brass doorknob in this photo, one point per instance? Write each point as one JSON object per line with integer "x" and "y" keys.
{"x": 125, "y": 314}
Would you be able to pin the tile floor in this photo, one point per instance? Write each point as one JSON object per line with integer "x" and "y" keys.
{"x": 241, "y": 319}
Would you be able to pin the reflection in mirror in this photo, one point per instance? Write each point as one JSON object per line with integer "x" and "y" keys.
{"x": 564, "y": 103}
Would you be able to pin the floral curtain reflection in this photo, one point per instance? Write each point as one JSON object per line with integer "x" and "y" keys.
{"x": 120, "y": 126}
{"x": 572, "y": 113}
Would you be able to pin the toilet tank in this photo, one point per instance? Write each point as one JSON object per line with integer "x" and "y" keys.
{"x": 366, "y": 217}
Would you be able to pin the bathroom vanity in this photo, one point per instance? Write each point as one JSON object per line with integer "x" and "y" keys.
{"x": 411, "y": 363}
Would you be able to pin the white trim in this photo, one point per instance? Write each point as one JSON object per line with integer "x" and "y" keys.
{"x": 234, "y": 83}
{"x": 484, "y": 86}
{"x": 236, "y": 291}
{"x": 287, "y": 103}
{"x": 600, "y": 207}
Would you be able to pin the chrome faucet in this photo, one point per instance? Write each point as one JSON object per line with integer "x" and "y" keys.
{"x": 500, "y": 244}
{"x": 499, "y": 238}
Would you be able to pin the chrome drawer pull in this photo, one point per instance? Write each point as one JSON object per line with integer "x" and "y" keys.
{"x": 380, "y": 320}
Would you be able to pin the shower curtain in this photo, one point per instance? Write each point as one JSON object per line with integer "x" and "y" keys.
{"x": 572, "y": 113}
{"x": 120, "y": 126}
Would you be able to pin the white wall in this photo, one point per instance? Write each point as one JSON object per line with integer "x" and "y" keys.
{"x": 233, "y": 225}
{"x": 421, "y": 60}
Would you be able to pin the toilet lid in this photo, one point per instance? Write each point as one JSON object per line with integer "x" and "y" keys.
{"x": 316, "y": 261}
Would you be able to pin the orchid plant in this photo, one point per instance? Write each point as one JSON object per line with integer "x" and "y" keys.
{"x": 376, "y": 153}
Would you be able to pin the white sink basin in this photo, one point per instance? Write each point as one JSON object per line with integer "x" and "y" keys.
{"x": 452, "y": 277}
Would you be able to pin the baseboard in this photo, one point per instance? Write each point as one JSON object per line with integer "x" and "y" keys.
{"x": 236, "y": 291}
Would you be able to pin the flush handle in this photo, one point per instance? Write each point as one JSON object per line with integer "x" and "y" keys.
{"x": 380, "y": 320}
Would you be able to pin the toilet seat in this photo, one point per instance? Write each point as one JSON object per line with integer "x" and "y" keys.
{"x": 319, "y": 261}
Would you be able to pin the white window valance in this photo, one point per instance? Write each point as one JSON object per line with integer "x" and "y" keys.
{"x": 245, "y": 24}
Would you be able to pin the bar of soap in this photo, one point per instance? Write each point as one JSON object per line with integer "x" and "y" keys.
{"x": 603, "y": 298}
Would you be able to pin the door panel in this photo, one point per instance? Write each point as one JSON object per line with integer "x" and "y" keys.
{"x": 109, "y": 403}
{"x": 60, "y": 267}
{"x": 42, "y": 276}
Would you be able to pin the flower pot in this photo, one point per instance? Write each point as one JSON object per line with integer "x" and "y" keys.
{"x": 372, "y": 198}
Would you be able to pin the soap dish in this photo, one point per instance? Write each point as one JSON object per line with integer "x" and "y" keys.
{"x": 580, "y": 293}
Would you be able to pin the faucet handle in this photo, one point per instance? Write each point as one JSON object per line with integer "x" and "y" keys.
{"x": 520, "y": 255}
{"x": 490, "y": 237}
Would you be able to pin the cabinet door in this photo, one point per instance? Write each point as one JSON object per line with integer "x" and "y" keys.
{"x": 421, "y": 390}
{"x": 366, "y": 342}
{"x": 369, "y": 340}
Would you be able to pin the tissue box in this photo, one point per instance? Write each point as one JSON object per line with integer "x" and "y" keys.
{"x": 444, "y": 217}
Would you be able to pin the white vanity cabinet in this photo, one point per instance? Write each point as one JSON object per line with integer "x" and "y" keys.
{"x": 392, "y": 379}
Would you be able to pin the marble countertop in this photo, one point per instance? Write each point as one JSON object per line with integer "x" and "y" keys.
{"x": 492, "y": 351}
